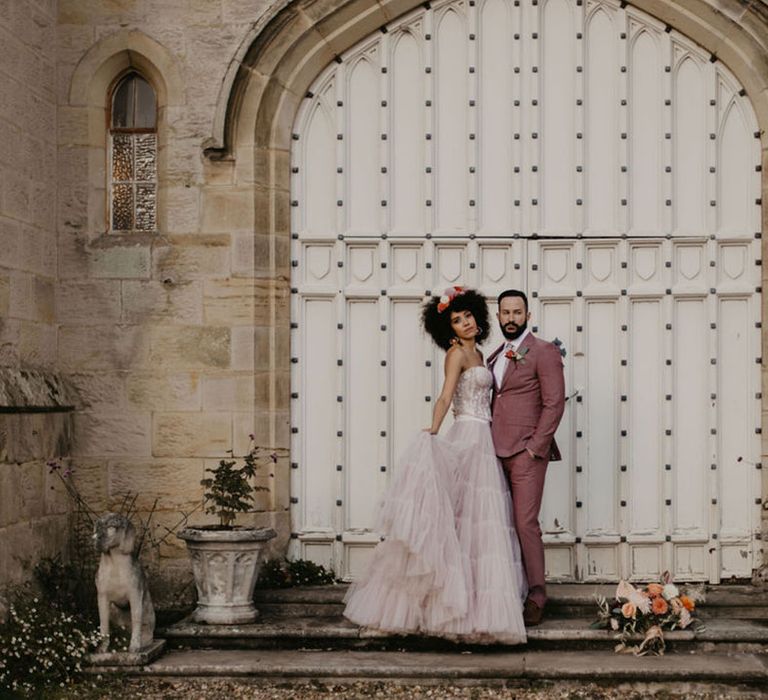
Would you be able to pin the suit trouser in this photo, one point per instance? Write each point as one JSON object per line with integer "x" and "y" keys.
{"x": 526, "y": 482}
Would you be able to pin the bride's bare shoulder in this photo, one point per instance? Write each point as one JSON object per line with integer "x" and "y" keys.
{"x": 454, "y": 352}
{"x": 458, "y": 356}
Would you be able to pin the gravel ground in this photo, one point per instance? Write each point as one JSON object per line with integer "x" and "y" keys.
{"x": 203, "y": 689}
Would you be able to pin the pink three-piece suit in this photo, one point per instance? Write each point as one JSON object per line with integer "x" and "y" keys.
{"x": 526, "y": 410}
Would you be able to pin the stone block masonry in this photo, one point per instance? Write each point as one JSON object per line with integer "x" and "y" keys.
{"x": 35, "y": 427}
{"x": 28, "y": 165}
{"x": 33, "y": 505}
{"x": 168, "y": 336}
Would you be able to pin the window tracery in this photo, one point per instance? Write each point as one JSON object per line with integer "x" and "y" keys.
{"x": 133, "y": 156}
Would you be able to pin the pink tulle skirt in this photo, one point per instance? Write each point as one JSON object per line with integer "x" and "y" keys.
{"x": 450, "y": 563}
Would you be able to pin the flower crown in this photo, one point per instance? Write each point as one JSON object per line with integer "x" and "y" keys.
{"x": 448, "y": 296}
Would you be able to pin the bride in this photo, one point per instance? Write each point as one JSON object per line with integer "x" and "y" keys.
{"x": 449, "y": 562}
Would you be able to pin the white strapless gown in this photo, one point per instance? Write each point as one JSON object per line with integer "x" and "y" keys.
{"x": 450, "y": 563}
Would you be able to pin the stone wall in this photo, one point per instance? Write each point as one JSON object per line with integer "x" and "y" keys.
{"x": 35, "y": 431}
{"x": 165, "y": 336}
{"x": 27, "y": 183}
{"x": 33, "y": 506}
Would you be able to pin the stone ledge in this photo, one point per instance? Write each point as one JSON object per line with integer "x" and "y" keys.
{"x": 125, "y": 660}
{"x": 271, "y": 632}
{"x": 29, "y": 390}
{"x": 573, "y": 594}
{"x": 555, "y": 629}
{"x": 585, "y": 665}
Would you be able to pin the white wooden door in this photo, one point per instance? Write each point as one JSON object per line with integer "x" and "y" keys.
{"x": 594, "y": 157}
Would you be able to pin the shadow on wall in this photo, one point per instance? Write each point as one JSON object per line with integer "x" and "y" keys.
{"x": 35, "y": 426}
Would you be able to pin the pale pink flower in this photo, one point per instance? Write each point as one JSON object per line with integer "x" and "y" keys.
{"x": 629, "y": 610}
{"x": 628, "y": 591}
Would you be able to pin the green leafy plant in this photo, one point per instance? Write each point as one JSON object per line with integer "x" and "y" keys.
{"x": 230, "y": 491}
{"x": 281, "y": 573}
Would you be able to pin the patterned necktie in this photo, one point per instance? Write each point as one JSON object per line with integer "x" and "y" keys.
{"x": 500, "y": 367}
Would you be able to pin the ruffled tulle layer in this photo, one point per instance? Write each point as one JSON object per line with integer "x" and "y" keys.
{"x": 450, "y": 563}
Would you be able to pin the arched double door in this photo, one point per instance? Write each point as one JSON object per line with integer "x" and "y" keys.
{"x": 588, "y": 154}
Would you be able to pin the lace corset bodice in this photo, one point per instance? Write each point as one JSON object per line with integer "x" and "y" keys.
{"x": 473, "y": 393}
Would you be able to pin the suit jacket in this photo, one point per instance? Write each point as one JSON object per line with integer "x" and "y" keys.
{"x": 528, "y": 406}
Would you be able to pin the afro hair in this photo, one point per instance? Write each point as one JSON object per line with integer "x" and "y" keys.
{"x": 438, "y": 323}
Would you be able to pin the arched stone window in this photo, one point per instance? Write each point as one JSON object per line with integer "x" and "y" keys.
{"x": 132, "y": 187}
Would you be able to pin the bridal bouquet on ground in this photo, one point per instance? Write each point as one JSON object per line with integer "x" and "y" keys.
{"x": 647, "y": 611}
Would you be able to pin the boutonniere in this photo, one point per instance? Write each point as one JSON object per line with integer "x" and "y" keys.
{"x": 517, "y": 355}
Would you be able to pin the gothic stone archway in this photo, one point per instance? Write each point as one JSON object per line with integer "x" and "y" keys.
{"x": 299, "y": 39}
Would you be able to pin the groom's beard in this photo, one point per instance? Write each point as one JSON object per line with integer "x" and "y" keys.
{"x": 515, "y": 334}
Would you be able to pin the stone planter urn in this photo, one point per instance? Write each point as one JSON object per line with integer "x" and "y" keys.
{"x": 226, "y": 564}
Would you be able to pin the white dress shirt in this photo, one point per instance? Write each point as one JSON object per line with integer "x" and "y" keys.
{"x": 500, "y": 366}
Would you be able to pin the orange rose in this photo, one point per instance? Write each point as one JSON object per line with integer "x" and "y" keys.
{"x": 655, "y": 589}
{"x": 659, "y": 606}
{"x": 688, "y": 604}
{"x": 628, "y": 610}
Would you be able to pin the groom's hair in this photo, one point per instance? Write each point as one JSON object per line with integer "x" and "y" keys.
{"x": 438, "y": 323}
{"x": 513, "y": 293}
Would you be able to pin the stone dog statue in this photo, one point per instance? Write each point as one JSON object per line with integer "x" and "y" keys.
{"x": 120, "y": 580}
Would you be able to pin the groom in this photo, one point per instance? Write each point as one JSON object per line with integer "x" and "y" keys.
{"x": 528, "y": 402}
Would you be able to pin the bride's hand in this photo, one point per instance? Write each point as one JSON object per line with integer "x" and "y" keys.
{"x": 429, "y": 430}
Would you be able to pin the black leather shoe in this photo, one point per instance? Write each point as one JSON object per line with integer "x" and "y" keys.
{"x": 533, "y": 614}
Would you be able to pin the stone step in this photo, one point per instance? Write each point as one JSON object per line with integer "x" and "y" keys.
{"x": 565, "y": 600}
{"x": 554, "y": 609}
{"x": 555, "y": 633}
{"x": 486, "y": 667}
